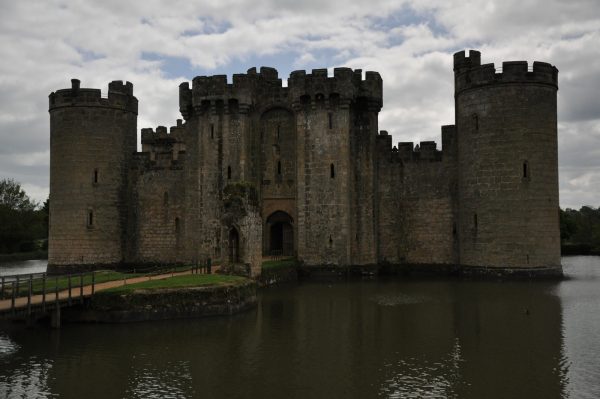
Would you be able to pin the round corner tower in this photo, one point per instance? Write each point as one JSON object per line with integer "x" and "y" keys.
{"x": 92, "y": 139}
{"x": 508, "y": 165}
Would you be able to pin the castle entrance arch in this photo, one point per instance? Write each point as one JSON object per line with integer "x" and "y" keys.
{"x": 234, "y": 246}
{"x": 281, "y": 234}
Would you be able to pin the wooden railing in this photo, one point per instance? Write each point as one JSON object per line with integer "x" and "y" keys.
{"x": 26, "y": 293}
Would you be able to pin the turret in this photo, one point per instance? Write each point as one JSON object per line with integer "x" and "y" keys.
{"x": 92, "y": 139}
{"x": 508, "y": 167}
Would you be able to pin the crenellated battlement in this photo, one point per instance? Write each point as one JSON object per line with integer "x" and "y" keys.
{"x": 120, "y": 96}
{"x": 409, "y": 152}
{"x": 174, "y": 134}
{"x": 214, "y": 93}
{"x": 469, "y": 73}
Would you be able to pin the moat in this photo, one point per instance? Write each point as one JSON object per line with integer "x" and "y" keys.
{"x": 373, "y": 338}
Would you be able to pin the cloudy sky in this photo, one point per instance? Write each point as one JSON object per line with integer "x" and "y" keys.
{"x": 158, "y": 44}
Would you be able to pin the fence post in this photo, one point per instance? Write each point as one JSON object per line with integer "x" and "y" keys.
{"x": 12, "y": 302}
{"x": 81, "y": 288}
{"x": 29, "y": 295}
{"x": 69, "y": 290}
{"x": 56, "y": 293}
{"x": 93, "y": 282}
{"x": 44, "y": 292}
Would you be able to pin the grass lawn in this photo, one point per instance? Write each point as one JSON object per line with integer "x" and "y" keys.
{"x": 188, "y": 280}
{"x": 279, "y": 264}
{"x": 62, "y": 282}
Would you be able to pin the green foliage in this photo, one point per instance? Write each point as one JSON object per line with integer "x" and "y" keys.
{"x": 23, "y": 227}
{"x": 580, "y": 230}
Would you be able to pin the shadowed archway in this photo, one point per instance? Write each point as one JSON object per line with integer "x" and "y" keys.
{"x": 280, "y": 234}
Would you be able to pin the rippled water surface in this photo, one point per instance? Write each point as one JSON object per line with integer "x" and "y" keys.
{"x": 361, "y": 339}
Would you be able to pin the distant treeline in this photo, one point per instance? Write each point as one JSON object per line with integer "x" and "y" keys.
{"x": 580, "y": 231}
{"x": 23, "y": 222}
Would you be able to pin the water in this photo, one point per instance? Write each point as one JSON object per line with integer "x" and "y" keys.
{"x": 23, "y": 267}
{"x": 392, "y": 338}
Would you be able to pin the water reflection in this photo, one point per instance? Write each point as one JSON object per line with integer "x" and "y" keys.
{"x": 394, "y": 338}
{"x": 27, "y": 380}
{"x": 23, "y": 267}
{"x": 167, "y": 380}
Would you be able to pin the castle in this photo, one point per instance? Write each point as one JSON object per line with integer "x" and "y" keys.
{"x": 257, "y": 169}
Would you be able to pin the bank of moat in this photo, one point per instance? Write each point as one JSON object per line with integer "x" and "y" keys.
{"x": 257, "y": 169}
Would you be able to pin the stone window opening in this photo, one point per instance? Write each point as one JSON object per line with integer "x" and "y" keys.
{"x": 95, "y": 180}
{"x": 330, "y": 120}
{"x": 90, "y": 219}
{"x": 279, "y": 168}
{"x": 332, "y": 171}
{"x": 476, "y": 122}
{"x": 228, "y": 172}
{"x": 330, "y": 240}
{"x": 475, "y": 223}
{"x": 278, "y": 132}
{"x": 525, "y": 170}
{"x": 212, "y": 130}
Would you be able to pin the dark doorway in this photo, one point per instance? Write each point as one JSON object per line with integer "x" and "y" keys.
{"x": 234, "y": 246}
{"x": 281, "y": 234}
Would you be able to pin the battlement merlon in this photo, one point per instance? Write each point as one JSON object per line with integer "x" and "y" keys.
{"x": 120, "y": 96}
{"x": 424, "y": 151}
{"x": 345, "y": 84}
{"x": 469, "y": 73}
{"x": 174, "y": 134}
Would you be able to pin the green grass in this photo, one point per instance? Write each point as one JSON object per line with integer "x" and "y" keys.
{"x": 62, "y": 282}
{"x": 279, "y": 264}
{"x": 186, "y": 281}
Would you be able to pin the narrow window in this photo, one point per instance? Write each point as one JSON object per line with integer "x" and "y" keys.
{"x": 330, "y": 240}
{"x": 90, "y": 218}
{"x": 278, "y": 132}
{"x": 229, "y": 173}
{"x": 330, "y": 117}
{"x": 476, "y": 122}
{"x": 212, "y": 131}
{"x": 166, "y": 198}
{"x": 475, "y": 221}
{"x": 279, "y": 167}
{"x": 525, "y": 170}
{"x": 332, "y": 171}
{"x": 95, "y": 176}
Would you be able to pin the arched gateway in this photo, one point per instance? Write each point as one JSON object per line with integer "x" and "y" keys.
{"x": 280, "y": 234}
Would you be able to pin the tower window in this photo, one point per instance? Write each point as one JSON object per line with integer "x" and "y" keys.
{"x": 475, "y": 221}
{"x": 212, "y": 130}
{"x": 279, "y": 167}
{"x": 90, "y": 219}
{"x": 525, "y": 170}
{"x": 330, "y": 119}
{"x": 95, "y": 179}
{"x": 229, "y": 173}
{"x": 476, "y": 122}
{"x": 278, "y": 132}
{"x": 332, "y": 171}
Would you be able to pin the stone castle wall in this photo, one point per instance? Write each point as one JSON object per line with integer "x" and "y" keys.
{"x": 322, "y": 174}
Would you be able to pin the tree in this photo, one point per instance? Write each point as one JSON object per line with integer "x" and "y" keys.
{"x": 14, "y": 197}
{"x": 21, "y": 224}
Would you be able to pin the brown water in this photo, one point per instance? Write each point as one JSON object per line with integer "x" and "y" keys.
{"x": 362, "y": 339}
